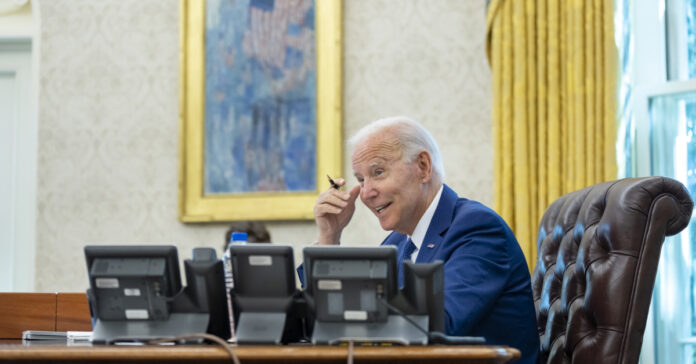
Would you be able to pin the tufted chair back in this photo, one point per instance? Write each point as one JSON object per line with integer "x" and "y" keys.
{"x": 598, "y": 250}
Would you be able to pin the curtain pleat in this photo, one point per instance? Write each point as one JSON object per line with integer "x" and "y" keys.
{"x": 554, "y": 104}
{"x": 610, "y": 82}
{"x": 555, "y": 118}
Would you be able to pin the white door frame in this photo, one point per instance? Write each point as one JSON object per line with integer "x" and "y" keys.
{"x": 18, "y": 233}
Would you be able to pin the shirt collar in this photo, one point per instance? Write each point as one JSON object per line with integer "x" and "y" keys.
{"x": 424, "y": 222}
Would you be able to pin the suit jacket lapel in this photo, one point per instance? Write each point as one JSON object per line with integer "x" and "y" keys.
{"x": 439, "y": 224}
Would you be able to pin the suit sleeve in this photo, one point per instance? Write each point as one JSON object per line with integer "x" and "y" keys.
{"x": 477, "y": 269}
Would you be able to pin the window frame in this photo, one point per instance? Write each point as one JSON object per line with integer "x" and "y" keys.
{"x": 655, "y": 35}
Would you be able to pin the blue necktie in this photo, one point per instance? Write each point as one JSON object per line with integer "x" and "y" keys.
{"x": 405, "y": 253}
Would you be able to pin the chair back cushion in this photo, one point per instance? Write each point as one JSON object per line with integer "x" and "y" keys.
{"x": 598, "y": 250}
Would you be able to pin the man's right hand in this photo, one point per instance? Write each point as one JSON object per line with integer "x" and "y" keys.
{"x": 332, "y": 212}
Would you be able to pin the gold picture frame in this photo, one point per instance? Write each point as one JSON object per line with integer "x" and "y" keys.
{"x": 194, "y": 205}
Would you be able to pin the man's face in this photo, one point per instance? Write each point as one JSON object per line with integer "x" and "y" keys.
{"x": 391, "y": 187}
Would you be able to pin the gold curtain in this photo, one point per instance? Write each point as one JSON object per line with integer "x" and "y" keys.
{"x": 554, "y": 104}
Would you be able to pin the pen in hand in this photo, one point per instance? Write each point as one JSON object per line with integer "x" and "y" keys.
{"x": 333, "y": 183}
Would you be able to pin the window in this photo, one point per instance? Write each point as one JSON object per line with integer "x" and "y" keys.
{"x": 657, "y": 42}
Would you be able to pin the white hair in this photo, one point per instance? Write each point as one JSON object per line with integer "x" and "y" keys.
{"x": 412, "y": 136}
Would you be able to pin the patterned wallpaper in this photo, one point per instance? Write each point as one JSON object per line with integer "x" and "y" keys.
{"x": 108, "y": 128}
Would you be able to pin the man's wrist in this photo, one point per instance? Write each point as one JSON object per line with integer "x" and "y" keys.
{"x": 323, "y": 240}
{"x": 326, "y": 243}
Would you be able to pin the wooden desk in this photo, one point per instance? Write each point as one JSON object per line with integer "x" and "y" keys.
{"x": 42, "y": 311}
{"x": 63, "y": 312}
{"x": 257, "y": 354}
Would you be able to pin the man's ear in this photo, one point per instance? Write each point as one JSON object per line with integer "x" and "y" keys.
{"x": 425, "y": 166}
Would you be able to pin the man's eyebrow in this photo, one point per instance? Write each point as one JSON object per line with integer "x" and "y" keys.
{"x": 372, "y": 165}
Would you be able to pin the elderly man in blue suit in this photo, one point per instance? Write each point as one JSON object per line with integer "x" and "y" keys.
{"x": 400, "y": 173}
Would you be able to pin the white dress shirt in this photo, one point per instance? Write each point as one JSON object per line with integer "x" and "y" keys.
{"x": 423, "y": 224}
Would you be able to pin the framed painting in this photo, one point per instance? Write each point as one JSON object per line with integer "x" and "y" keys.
{"x": 260, "y": 107}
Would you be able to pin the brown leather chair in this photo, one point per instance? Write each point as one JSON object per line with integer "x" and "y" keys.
{"x": 598, "y": 250}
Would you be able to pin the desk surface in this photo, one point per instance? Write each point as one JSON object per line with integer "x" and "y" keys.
{"x": 287, "y": 354}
